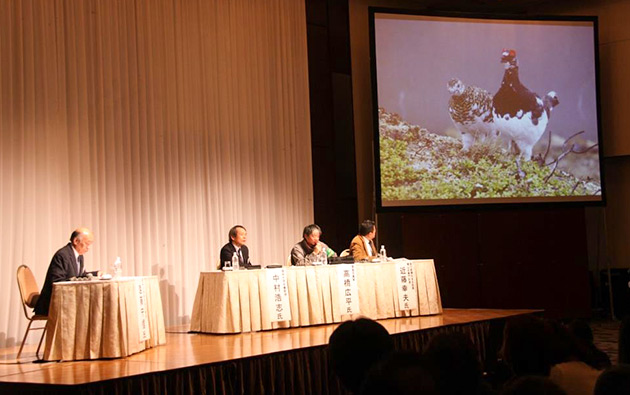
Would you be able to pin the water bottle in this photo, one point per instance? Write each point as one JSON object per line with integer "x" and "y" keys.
{"x": 383, "y": 253}
{"x": 235, "y": 261}
{"x": 117, "y": 267}
{"x": 325, "y": 260}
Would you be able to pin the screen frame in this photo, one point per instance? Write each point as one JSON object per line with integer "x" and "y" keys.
{"x": 530, "y": 202}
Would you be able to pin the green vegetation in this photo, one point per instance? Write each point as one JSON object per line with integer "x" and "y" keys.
{"x": 416, "y": 164}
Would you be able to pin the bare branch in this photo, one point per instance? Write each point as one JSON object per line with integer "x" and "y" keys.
{"x": 586, "y": 150}
{"x": 557, "y": 162}
{"x": 417, "y": 151}
{"x": 575, "y": 187}
{"x": 544, "y": 158}
{"x": 566, "y": 151}
{"x": 573, "y": 135}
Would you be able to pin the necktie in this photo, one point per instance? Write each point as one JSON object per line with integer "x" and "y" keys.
{"x": 80, "y": 261}
{"x": 240, "y": 257}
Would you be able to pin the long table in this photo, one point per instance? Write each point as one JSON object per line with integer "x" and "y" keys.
{"x": 104, "y": 318}
{"x": 237, "y": 301}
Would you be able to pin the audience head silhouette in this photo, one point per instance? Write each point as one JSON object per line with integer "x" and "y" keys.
{"x": 354, "y": 347}
{"x": 532, "y": 385}
{"x": 589, "y": 353}
{"x": 624, "y": 341}
{"x": 402, "y": 373}
{"x": 561, "y": 345}
{"x": 452, "y": 360}
{"x": 581, "y": 330}
{"x": 524, "y": 346}
{"x": 614, "y": 381}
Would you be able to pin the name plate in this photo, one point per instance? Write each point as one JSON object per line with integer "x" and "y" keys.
{"x": 141, "y": 300}
{"x": 407, "y": 287}
{"x": 278, "y": 295}
{"x": 348, "y": 289}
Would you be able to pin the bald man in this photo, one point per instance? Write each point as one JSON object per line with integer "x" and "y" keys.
{"x": 65, "y": 264}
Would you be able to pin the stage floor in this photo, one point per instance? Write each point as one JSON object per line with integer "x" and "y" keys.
{"x": 184, "y": 350}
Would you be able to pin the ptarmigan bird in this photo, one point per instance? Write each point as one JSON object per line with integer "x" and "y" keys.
{"x": 520, "y": 114}
{"x": 550, "y": 101}
{"x": 470, "y": 109}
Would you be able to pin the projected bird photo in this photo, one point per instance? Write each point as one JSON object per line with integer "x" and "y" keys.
{"x": 464, "y": 119}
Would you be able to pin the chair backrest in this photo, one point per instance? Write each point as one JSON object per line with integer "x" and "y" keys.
{"x": 29, "y": 291}
{"x": 345, "y": 252}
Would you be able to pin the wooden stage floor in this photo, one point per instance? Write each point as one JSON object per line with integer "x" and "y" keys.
{"x": 185, "y": 350}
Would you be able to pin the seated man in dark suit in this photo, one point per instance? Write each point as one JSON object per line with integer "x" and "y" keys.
{"x": 362, "y": 247}
{"x": 65, "y": 264}
{"x": 238, "y": 237}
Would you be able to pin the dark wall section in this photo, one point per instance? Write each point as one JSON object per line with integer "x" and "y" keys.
{"x": 488, "y": 258}
{"x": 332, "y": 133}
{"x": 504, "y": 258}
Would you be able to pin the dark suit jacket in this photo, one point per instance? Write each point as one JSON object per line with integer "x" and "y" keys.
{"x": 63, "y": 267}
{"x": 228, "y": 250}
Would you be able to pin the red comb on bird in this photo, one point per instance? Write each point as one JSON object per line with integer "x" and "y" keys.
{"x": 510, "y": 52}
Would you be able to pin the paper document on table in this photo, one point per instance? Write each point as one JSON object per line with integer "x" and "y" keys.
{"x": 407, "y": 288}
{"x": 278, "y": 295}
{"x": 143, "y": 322}
{"x": 348, "y": 289}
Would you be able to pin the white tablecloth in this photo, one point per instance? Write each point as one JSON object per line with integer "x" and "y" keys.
{"x": 100, "y": 319}
{"x": 232, "y": 302}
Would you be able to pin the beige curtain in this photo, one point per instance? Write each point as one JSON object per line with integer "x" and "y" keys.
{"x": 156, "y": 123}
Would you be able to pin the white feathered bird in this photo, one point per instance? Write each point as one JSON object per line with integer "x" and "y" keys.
{"x": 470, "y": 108}
{"x": 520, "y": 114}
